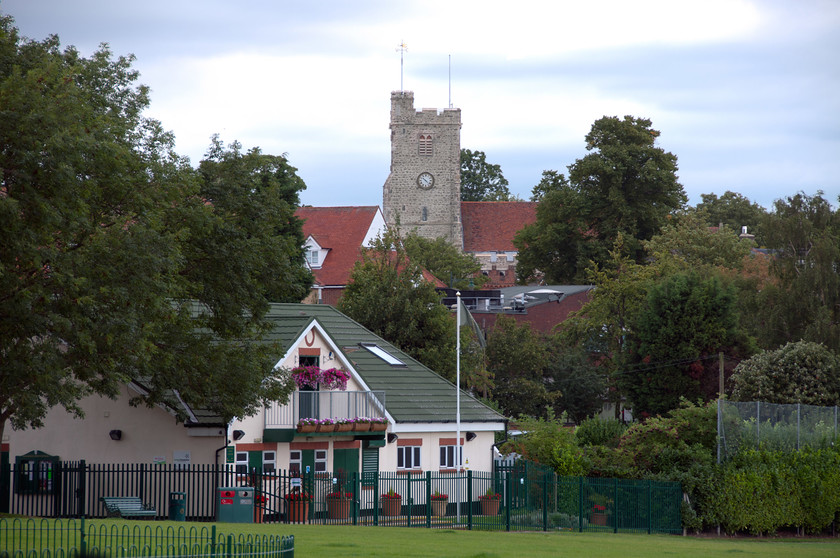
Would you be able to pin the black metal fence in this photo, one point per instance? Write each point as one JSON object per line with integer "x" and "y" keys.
{"x": 524, "y": 496}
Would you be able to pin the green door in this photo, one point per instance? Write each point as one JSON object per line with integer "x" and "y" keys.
{"x": 345, "y": 466}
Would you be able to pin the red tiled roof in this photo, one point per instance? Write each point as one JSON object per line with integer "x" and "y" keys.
{"x": 341, "y": 230}
{"x": 491, "y": 226}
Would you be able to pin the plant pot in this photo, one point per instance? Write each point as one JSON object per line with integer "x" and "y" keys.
{"x": 326, "y": 428}
{"x": 378, "y": 426}
{"x": 489, "y": 506}
{"x": 338, "y": 508}
{"x": 348, "y": 427}
{"x": 391, "y": 506}
{"x": 598, "y": 519}
{"x": 307, "y": 428}
{"x": 298, "y": 510}
{"x": 439, "y": 507}
{"x": 259, "y": 513}
{"x": 361, "y": 426}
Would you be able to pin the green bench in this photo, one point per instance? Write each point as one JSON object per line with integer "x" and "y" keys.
{"x": 127, "y": 507}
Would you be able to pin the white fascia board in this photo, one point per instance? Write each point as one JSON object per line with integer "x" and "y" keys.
{"x": 311, "y": 243}
{"x": 411, "y": 427}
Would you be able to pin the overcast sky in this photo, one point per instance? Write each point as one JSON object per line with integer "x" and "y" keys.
{"x": 746, "y": 93}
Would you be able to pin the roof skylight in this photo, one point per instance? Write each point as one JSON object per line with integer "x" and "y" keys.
{"x": 383, "y": 354}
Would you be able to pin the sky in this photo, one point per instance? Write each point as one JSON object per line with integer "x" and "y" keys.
{"x": 746, "y": 93}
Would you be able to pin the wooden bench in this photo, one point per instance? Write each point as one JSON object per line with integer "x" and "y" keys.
{"x": 127, "y": 507}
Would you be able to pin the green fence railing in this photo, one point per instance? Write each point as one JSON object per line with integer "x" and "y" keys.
{"x": 73, "y": 538}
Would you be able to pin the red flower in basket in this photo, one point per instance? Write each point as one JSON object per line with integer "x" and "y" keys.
{"x": 298, "y": 496}
{"x": 391, "y": 494}
{"x": 338, "y": 495}
{"x": 439, "y": 496}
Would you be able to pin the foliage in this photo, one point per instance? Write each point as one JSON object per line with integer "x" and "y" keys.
{"x": 801, "y": 372}
{"x": 438, "y": 496}
{"x": 388, "y": 295}
{"x": 686, "y": 321}
{"x": 625, "y": 185}
{"x": 550, "y": 181}
{"x": 599, "y": 432}
{"x": 548, "y": 442}
{"x": 480, "y": 180}
{"x": 733, "y": 211}
{"x": 114, "y": 261}
{"x": 446, "y": 262}
{"x": 578, "y": 386}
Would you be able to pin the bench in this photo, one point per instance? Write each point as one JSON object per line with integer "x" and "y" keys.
{"x": 126, "y": 507}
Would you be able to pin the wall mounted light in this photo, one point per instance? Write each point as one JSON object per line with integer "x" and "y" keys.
{"x": 392, "y": 437}
{"x": 238, "y": 435}
{"x": 115, "y": 435}
{"x": 471, "y": 436}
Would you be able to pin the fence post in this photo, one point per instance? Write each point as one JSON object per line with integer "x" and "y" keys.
{"x": 376, "y": 498}
{"x": 615, "y": 505}
{"x": 508, "y": 491}
{"x": 213, "y": 540}
{"x": 545, "y": 501}
{"x": 357, "y": 491}
{"x": 82, "y": 541}
{"x": 650, "y": 507}
{"x": 798, "y": 420}
{"x": 469, "y": 500}
{"x": 429, "y": 499}
{"x": 82, "y": 489}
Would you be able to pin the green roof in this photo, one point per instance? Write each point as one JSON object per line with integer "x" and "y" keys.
{"x": 413, "y": 393}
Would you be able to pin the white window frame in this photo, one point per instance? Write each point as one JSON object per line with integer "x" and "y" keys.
{"x": 269, "y": 460}
{"x": 408, "y": 458}
{"x": 447, "y": 457}
{"x": 295, "y": 461}
{"x": 320, "y": 461}
{"x": 241, "y": 460}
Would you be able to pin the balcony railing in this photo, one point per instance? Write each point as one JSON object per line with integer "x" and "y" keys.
{"x": 325, "y": 404}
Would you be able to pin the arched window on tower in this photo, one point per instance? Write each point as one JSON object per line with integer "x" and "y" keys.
{"x": 425, "y": 215}
{"x": 425, "y": 145}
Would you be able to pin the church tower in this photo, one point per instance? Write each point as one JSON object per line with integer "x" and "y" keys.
{"x": 423, "y": 188}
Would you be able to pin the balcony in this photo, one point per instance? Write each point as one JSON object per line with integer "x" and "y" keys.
{"x": 325, "y": 404}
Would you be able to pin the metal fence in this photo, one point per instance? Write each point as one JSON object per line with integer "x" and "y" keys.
{"x": 72, "y": 538}
{"x": 754, "y": 425}
{"x": 522, "y": 496}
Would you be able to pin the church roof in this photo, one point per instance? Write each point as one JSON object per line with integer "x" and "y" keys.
{"x": 342, "y": 231}
{"x": 491, "y": 226}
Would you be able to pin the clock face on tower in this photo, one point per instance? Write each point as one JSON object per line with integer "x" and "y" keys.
{"x": 425, "y": 180}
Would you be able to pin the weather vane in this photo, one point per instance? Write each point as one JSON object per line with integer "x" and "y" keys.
{"x": 401, "y": 48}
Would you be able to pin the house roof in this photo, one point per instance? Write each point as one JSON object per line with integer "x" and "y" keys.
{"x": 342, "y": 231}
{"x": 413, "y": 393}
{"x": 491, "y": 226}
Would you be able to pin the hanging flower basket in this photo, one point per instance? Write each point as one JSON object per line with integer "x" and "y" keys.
{"x": 307, "y": 425}
{"x": 313, "y": 377}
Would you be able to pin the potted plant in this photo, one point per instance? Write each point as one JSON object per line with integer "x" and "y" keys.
{"x": 326, "y": 425}
{"x": 490, "y": 502}
{"x": 439, "y": 502}
{"x": 378, "y": 424}
{"x": 344, "y": 425}
{"x": 297, "y": 505}
{"x": 361, "y": 424}
{"x": 338, "y": 505}
{"x": 600, "y": 511}
{"x": 391, "y": 503}
{"x": 307, "y": 425}
{"x": 313, "y": 377}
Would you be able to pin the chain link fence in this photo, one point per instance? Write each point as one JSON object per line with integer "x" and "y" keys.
{"x": 773, "y": 426}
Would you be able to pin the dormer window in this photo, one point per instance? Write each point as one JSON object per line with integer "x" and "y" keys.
{"x": 425, "y": 145}
{"x": 313, "y": 257}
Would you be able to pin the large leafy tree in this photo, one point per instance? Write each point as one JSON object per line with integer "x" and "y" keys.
{"x": 388, "y": 294}
{"x": 100, "y": 221}
{"x": 804, "y": 303}
{"x": 480, "y": 180}
{"x": 801, "y": 372}
{"x": 735, "y": 211}
{"x": 625, "y": 185}
{"x": 443, "y": 260}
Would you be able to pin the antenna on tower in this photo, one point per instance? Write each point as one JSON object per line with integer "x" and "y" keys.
{"x": 450, "y": 81}
{"x": 401, "y": 48}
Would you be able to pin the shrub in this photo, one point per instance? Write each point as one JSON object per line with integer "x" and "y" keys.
{"x": 599, "y": 432}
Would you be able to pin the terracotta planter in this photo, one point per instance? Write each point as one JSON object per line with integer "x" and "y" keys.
{"x": 361, "y": 426}
{"x": 378, "y": 426}
{"x": 303, "y": 428}
{"x": 338, "y": 508}
{"x": 439, "y": 507}
{"x": 344, "y": 427}
{"x": 298, "y": 510}
{"x": 259, "y": 513}
{"x": 326, "y": 427}
{"x": 489, "y": 506}
{"x": 391, "y": 506}
{"x": 598, "y": 519}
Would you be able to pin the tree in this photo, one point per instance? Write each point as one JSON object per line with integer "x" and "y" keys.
{"x": 579, "y": 385}
{"x": 625, "y": 185}
{"x": 686, "y": 321}
{"x": 100, "y": 219}
{"x": 444, "y": 261}
{"x": 800, "y": 372}
{"x": 804, "y": 233}
{"x": 734, "y": 211}
{"x": 550, "y": 181}
{"x": 480, "y": 180}
{"x": 388, "y": 295}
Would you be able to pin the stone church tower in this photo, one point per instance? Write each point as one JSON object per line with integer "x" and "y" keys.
{"x": 423, "y": 188}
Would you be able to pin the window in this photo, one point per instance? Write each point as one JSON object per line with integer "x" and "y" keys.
{"x": 295, "y": 458}
{"x": 383, "y": 354}
{"x": 269, "y": 461}
{"x": 447, "y": 457}
{"x": 425, "y": 145}
{"x": 408, "y": 457}
{"x": 320, "y": 461}
{"x": 241, "y": 465}
{"x": 312, "y": 257}
{"x": 425, "y": 216}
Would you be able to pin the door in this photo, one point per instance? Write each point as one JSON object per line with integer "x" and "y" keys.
{"x": 345, "y": 468}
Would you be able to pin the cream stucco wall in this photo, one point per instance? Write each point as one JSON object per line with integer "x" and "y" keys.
{"x": 148, "y": 435}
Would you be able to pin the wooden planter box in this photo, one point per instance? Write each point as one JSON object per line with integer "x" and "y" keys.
{"x": 391, "y": 506}
{"x": 361, "y": 426}
{"x": 326, "y": 427}
{"x": 338, "y": 508}
{"x": 298, "y": 510}
{"x": 439, "y": 507}
{"x": 489, "y": 506}
{"x": 307, "y": 428}
{"x": 344, "y": 427}
{"x": 378, "y": 426}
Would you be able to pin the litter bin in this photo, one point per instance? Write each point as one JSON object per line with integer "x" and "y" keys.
{"x": 235, "y": 505}
{"x": 177, "y": 506}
